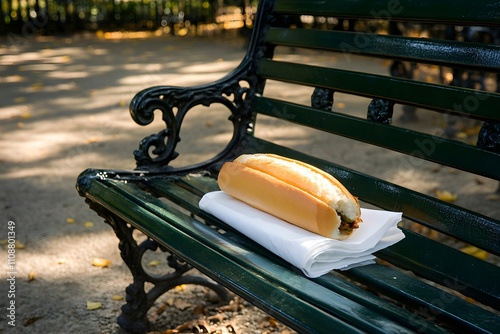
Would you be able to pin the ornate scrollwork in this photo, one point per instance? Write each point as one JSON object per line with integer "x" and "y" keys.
{"x": 138, "y": 301}
{"x": 489, "y": 136}
{"x": 380, "y": 111}
{"x": 235, "y": 91}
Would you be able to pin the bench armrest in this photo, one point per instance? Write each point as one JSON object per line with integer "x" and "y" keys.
{"x": 156, "y": 151}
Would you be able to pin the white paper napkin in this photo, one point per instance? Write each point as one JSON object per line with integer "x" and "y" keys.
{"x": 315, "y": 255}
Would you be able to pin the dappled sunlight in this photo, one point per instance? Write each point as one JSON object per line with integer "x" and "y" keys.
{"x": 70, "y": 131}
{"x": 153, "y": 79}
{"x": 97, "y": 241}
{"x": 218, "y": 66}
{"x": 68, "y": 75}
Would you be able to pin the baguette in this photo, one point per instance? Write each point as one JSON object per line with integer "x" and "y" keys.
{"x": 294, "y": 191}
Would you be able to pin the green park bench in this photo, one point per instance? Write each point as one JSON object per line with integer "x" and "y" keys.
{"x": 422, "y": 283}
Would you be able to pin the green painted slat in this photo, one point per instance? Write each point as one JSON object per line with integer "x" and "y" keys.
{"x": 443, "y": 264}
{"x": 458, "y": 12}
{"x": 253, "y": 276}
{"x": 421, "y": 94}
{"x": 421, "y": 145}
{"x": 179, "y": 194}
{"x": 440, "y": 52}
{"x": 447, "y": 218}
{"x": 461, "y": 315}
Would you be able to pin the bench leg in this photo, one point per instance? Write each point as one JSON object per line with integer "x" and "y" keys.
{"x": 134, "y": 313}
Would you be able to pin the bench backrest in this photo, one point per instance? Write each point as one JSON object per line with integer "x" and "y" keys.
{"x": 463, "y": 88}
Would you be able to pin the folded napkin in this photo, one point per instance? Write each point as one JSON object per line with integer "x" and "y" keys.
{"x": 315, "y": 255}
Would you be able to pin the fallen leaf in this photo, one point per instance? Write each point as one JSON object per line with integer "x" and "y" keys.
{"x": 473, "y": 130}
{"x": 88, "y": 224}
{"x": 492, "y": 197}
{"x": 100, "y": 262}
{"x": 31, "y": 276}
{"x": 476, "y": 252}
{"x": 19, "y": 245}
{"x": 91, "y": 140}
{"x": 37, "y": 86}
{"x": 446, "y": 196}
{"x": 154, "y": 263}
{"x": 31, "y": 320}
{"x": 70, "y": 220}
{"x": 25, "y": 115}
{"x": 91, "y": 306}
{"x": 117, "y": 297}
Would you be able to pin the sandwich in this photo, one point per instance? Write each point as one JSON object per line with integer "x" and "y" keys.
{"x": 294, "y": 191}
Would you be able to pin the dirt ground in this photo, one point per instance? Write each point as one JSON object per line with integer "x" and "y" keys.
{"x": 63, "y": 108}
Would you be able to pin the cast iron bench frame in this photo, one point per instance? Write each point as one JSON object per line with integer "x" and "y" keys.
{"x": 374, "y": 298}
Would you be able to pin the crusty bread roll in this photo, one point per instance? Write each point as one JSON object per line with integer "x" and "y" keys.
{"x": 294, "y": 191}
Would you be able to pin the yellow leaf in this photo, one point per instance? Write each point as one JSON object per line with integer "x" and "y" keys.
{"x": 25, "y": 115}
{"x": 88, "y": 224}
{"x": 446, "y": 196}
{"x": 476, "y": 252}
{"x": 70, "y": 220}
{"x": 31, "y": 276}
{"x": 492, "y": 197}
{"x": 154, "y": 263}
{"x": 117, "y": 297}
{"x": 91, "y": 140}
{"x": 473, "y": 130}
{"x": 93, "y": 305}
{"x": 4, "y": 242}
{"x": 19, "y": 245}
{"x": 180, "y": 287}
{"x": 100, "y": 262}
{"x": 37, "y": 86}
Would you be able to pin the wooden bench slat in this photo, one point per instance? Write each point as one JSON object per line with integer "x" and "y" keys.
{"x": 444, "y": 11}
{"x": 420, "y": 145}
{"x": 421, "y": 94}
{"x": 428, "y": 51}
